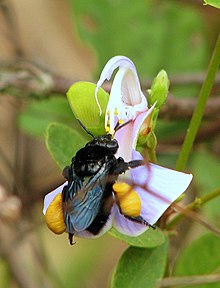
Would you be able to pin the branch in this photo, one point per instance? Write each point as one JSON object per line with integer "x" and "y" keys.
{"x": 197, "y": 203}
{"x": 189, "y": 280}
{"x": 24, "y": 79}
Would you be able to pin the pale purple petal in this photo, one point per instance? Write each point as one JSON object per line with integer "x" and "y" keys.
{"x": 126, "y": 226}
{"x": 124, "y": 138}
{"x": 127, "y": 136}
{"x": 159, "y": 187}
{"x": 50, "y": 196}
{"x": 163, "y": 186}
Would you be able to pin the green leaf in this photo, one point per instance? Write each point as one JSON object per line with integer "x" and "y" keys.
{"x": 200, "y": 257}
{"x": 151, "y": 238}
{"x": 63, "y": 142}
{"x": 214, "y": 3}
{"x": 140, "y": 267}
{"x": 81, "y": 96}
{"x": 39, "y": 114}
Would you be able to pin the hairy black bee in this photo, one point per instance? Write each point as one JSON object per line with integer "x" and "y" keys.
{"x": 87, "y": 199}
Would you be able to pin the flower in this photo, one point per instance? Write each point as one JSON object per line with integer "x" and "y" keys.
{"x": 145, "y": 191}
{"x": 156, "y": 186}
{"x": 126, "y": 98}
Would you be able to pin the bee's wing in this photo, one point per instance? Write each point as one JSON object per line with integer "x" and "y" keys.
{"x": 81, "y": 210}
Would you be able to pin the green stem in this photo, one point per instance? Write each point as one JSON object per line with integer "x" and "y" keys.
{"x": 198, "y": 202}
{"x": 199, "y": 110}
{"x": 152, "y": 155}
{"x": 152, "y": 139}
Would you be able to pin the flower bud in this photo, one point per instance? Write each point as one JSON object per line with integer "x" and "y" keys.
{"x": 159, "y": 89}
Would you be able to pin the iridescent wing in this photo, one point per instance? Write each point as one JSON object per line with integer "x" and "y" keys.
{"x": 82, "y": 198}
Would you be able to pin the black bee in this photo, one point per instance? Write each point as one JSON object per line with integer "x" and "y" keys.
{"x": 87, "y": 199}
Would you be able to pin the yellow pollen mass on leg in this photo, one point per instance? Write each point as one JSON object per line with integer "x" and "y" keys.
{"x": 54, "y": 215}
{"x": 128, "y": 200}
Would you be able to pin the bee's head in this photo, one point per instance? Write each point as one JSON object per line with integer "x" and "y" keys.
{"x": 105, "y": 141}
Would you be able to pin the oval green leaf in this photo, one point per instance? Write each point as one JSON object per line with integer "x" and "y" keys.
{"x": 140, "y": 267}
{"x": 151, "y": 238}
{"x": 200, "y": 257}
{"x": 81, "y": 96}
{"x": 63, "y": 142}
{"x": 214, "y": 3}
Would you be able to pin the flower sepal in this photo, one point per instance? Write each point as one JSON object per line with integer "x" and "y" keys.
{"x": 81, "y": 96}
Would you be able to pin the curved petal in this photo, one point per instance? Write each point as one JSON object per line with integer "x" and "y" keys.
{"x": 82, "y": 234}
{"x": 126, "y": 98}
{"x": 88, "y": 235}
{"x": 111, "y": 65}
{"x": 126, "y": 226}
{"x": 161, "y": 186}
{"x": 50, "y": 196}
{"x": 128, "y": 135}
{"x": 124, "y": 138}
{"x": 114, "y": 107}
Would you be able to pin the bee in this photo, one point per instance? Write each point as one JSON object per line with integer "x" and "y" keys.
{"x": 92, "y": 188}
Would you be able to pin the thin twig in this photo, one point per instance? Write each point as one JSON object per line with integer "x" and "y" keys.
{"x": 198, "y": 202}
{"x": 189, "y": 280}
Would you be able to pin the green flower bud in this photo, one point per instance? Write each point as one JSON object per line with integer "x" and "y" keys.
{"x": 81, "y": 97}
{"x": 159, "y": 89}
{"x": 151, "y": 141}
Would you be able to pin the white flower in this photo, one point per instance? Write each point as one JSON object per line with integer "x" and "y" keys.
{"x": 156, "y": 187}
{"x": 126, "y": 98}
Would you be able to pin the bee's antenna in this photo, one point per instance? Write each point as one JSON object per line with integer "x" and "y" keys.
{"x": 84, "y": 127}
{"x": 118, "y": 126}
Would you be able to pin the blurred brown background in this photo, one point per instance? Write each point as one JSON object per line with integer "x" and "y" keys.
{"x": 38, "y": 36}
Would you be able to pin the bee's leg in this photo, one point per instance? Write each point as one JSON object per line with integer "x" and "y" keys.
{"x": 71, "y": 239}
{"x": 140, "y": 220}
{"x": 135, "y": 163}
{"x": 124, "y": 166}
